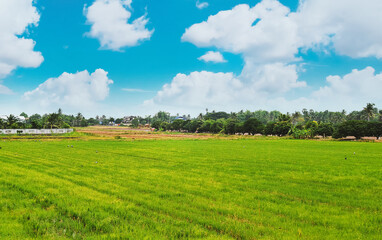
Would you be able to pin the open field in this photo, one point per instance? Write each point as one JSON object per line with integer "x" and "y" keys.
{"x": 192, "y": 188}
{"x": 144, "y": 133}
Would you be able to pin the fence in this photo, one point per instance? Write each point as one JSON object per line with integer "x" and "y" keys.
{"x": 36, "y": 131}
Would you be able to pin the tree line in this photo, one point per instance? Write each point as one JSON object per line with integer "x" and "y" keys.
{"x": 304, "y": 124}
{"x": 301, "y": 125}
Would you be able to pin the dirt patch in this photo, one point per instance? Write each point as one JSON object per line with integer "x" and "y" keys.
{"x": 130, "y": 133}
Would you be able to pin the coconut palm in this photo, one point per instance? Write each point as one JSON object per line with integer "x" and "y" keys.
{"x": 11, "y": 120}
{"x": 54, "y": 120}
{"x": 369, "y": 110}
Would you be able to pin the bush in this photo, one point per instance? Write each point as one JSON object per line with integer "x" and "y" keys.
{"x": 354, "y": 128}
{"x": 164, "y": 126}
{"x": 269, "y": 128}
{"x": 193, "y": 126}
{"x": 217, "y": 126}
{"x": 177, "y": 125}
{"x": 300, "y": 133}
{"x": 230, "y": 126}
{"x": 325, "y": 129}
{"x": 206, "y": 126}
{"x": 282, "y": 128}
{"x": 156, "y": 124}
{"x": 253, "y": 126}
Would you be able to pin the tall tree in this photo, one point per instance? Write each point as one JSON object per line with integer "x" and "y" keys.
{"x": 369, "y": 110}
{"x": 11, "y": 120}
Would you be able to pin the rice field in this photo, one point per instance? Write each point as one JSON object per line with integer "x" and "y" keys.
{"x": 190, "y": 189}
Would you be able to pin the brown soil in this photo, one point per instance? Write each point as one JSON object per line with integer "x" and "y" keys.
{"x": 129, "y": 133}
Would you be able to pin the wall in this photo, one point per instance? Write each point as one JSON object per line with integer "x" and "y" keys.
{"x": 36, "y": 131}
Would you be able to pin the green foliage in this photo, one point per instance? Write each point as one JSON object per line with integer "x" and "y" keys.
{"x": 253, "y": 126}
{"x": 164, "y": 126}
{"x": 156, "y": 124}
{"x": 177, "y": 125}
{"x": 217, "y": 126}
{"x": 230, "y": 126}
{"x": 354, "y": 128}
{"x": 325, "y": 129}
{"x": 194, "y": 125}
{"x": 300, "y": 133}
{"x": 135, "y": 123}
{"x": 216, "y": 115}
{"x": 282, "y": 128}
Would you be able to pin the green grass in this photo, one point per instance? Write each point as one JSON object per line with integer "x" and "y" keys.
{"x": 199, "y": 189}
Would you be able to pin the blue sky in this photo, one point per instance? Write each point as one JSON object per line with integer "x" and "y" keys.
{"x": 62, "y": 36}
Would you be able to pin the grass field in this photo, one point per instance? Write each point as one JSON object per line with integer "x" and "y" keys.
{"x": 200, "y": 189}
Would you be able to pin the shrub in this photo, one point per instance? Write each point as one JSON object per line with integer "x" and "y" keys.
{"x": 253, "y": 126}
{"x": 354, "y": 128}
{"x": 282, "y": 128}
{"x": 177, "y": 124}
{"x": 217, "y": 126}
{"x": 269, "y": 128}
{"x": 325, "y": 129}
{"x": 156, "y": 124}
{"x": 230, "y": 126}
{"x": 164, "y": 126}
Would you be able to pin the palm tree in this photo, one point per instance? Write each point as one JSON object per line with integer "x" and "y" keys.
{"x": 54, "y": 120}
{"x": 296, "y": 117}
{"x": 11, "y": 120}
{"x": 369, "y": 110}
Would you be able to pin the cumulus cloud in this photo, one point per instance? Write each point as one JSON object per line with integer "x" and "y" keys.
{"x": 271, "y": 78}
{"x": 270, "y": 37}
{"x": 198, "y": 89}
{"x": 223, "y": 91}
{"x": 255, "y": 33}
{"x": 110, "y": 24}
{"x": 270, "y": 31}
{"x": 352, "y": 90}
{"x": 201, "y": 5}
{"x": 212, "y": 56}
{"x": 234, "y": 31}
{"x": 351, "y": 26}
{"x": 15, "y": 51}
{"x": 75, "y": 91}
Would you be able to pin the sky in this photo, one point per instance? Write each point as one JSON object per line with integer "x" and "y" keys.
{"x": 136, "y": 57}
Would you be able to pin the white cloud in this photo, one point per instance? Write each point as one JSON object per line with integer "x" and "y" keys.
{"x": 74, "y": 91}
{"x": 224, "y": 91}
{"x": 266, "y": 57}
{"x": 270, "y": 78}
{"x": 110, "y": 24}
{"x": 212, "y": 56}
{"x": 269, "y": 37}
{"x": 353, "y": 27}
{"x": 201, "y": 5}
{"x": 4, "y": 90}
{"x": 198, "y": 89}
{"x": 270, "y": 32}
{"x": 15, "y": 51}
{"x": 233, "y": 31}
{"x": 352, "y": 90}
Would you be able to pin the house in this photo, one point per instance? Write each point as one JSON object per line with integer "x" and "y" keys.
{"x": 128, "y": 119}
{"x": 180, "y": 118}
